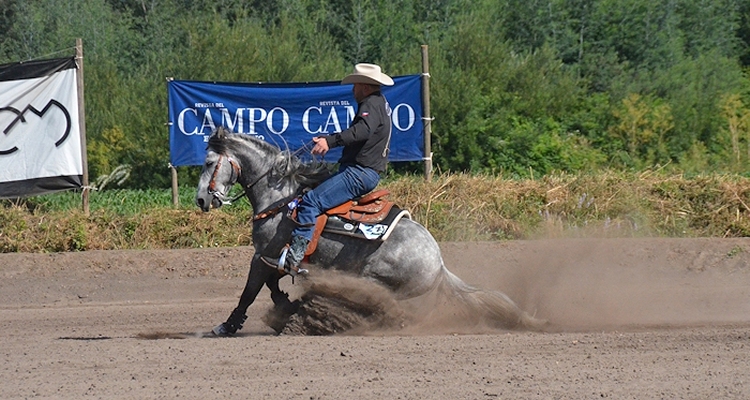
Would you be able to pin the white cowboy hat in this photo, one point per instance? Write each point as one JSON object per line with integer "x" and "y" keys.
{"x": 368, "y": 73}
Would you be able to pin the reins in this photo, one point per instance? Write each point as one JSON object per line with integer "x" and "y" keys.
{"x": 276, "y": 207}
{"x": 250, "y": 185}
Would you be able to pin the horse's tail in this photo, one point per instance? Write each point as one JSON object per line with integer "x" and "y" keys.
{"x": 490, "y": 306}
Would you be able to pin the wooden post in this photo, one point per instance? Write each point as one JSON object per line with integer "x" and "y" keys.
{"x": 175, "y": 183}
{"x": 82, "y": 127}
{"x": 175, "y": 187}
{"x": 426, "y": 118}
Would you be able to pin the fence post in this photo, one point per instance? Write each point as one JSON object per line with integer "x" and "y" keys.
{"x": 172, "y": 168}
{"x": 426, "y": 118}
{"x": 82, "y": 128}
{"x": 175, "y": 187}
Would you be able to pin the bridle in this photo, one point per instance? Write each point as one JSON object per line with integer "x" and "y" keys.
{"x": 237, "y": 170}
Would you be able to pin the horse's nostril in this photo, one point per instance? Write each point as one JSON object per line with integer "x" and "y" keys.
{"x": 200, "y": 203}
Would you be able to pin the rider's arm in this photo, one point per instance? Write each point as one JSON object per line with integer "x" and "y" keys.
{"x": 368, "y": 118}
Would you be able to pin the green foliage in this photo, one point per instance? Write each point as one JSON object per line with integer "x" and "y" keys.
{"x": 120, "y": 201}
{"x": 518, "y": 87}
{"x": 737, "y": 129}
{"x": 643, "y": 126}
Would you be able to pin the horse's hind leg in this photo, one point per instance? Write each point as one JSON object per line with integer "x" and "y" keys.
{"x": 259, "y": 274}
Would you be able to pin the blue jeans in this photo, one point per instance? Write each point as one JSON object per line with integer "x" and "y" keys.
{"x": 351, "y": 181}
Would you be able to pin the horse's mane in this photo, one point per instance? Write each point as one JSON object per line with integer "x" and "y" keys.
{"x": 285, "y": 165}
{"x": 289, "y": 166}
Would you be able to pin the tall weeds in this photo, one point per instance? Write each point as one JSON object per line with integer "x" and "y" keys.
{"x": 454, "y": 207}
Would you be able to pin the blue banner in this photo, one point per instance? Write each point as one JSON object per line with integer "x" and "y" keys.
{"x": 287, "y": 115}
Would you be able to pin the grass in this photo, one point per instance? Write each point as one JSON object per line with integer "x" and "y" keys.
{"x": 454, "y": 207}
{"x": 121, "y": 202}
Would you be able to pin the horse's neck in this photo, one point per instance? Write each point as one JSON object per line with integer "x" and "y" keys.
{"x": 267, "y": 191}
{"x": 263, "y": 196}
{"x": 263, "y": 190}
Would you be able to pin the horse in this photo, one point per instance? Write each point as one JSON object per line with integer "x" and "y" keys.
{"x": 408, "y": 263}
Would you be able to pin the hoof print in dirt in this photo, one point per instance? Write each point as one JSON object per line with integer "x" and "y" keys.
{"x": 320, "y": 315}
{"x": 277, "y": 319}
{"x": 336, "y": 303}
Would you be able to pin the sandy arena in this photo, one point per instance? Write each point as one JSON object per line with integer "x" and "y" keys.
{"x": 628, "y": 319}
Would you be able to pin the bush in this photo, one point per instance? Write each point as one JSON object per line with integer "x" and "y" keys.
{"x": 454, "y": 207}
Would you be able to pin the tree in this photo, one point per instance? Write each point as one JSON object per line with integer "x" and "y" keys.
{"x": 737, "y": 116}
{"x": 541, "y": 84}
{"x": 711, "y": 25}
{"x": 643, "y": 123}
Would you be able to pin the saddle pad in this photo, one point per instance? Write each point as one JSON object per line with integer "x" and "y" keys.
{"x": 377, "y": 231}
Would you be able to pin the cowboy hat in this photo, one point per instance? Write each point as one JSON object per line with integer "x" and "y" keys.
{"x": 368, "y": 73}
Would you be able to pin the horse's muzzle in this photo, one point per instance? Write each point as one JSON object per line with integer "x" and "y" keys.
{"x": 205, "y": 206}
{"x": 202, "y": 204}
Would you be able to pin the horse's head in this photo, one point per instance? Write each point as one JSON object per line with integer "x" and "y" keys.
{"x": 235, "y": 158}
{"x": 220, "y": 172}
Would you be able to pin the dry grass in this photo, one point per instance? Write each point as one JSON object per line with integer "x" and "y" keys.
{"x": 454, "y": 207}
{"x": 469, "y": 207}
{"x": 161, "y": 228}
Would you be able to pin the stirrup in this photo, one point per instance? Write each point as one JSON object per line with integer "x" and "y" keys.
{"x": 289, "y": 269}
{"x": 281, "y": 266}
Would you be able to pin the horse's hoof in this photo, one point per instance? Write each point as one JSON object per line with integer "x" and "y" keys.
{"x": 221, "y": 330}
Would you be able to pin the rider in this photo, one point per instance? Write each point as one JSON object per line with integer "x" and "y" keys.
{"x": 365, "y": 155}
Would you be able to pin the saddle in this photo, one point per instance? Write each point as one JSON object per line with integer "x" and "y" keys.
{"x": 370, "y": 208}
{"x": 371, "y": 216}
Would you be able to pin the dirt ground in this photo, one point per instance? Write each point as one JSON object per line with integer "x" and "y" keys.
{"x": 628, "y": 319}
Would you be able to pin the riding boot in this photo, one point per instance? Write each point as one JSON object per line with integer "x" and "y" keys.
{"x": 233, "y": 324}
{"x": 296, "y": 252}
{"x": 291, "y": 257}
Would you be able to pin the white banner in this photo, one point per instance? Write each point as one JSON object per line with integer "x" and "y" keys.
{"x": 39, "y": 131}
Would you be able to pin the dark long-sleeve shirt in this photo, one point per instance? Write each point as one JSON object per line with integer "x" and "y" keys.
{"x": 366, "y": 142}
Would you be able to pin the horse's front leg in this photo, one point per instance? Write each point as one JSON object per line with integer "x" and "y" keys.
{"x": 259, "y": 275}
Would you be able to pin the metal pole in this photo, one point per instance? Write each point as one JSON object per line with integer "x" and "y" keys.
{"x": 426, "y": 118}
{"x": 82, "y": 127}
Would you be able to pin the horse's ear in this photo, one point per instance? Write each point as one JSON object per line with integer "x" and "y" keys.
{"x": 217, "y": 133}
{"x": 221, "y": 133}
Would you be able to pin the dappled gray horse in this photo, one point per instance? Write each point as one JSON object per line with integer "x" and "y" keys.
{"x": 408, "y": 262}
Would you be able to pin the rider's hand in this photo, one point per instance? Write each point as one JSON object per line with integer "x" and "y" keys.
{"x": 321, "y": 146}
